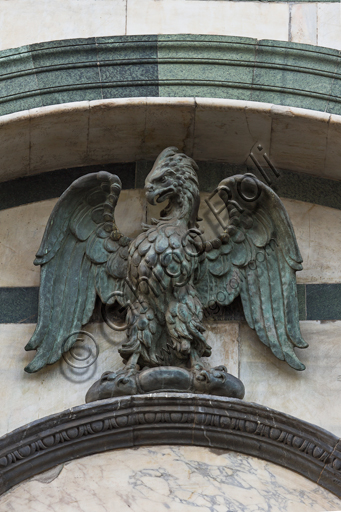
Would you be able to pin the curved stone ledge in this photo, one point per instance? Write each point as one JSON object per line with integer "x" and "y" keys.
{"x": 129, "y": 129}
{"x": 183, "y": 419}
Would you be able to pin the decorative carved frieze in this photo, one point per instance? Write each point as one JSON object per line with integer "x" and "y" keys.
{"x": 164, "y": 418}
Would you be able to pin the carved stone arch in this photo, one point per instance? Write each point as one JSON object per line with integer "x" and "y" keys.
{"x": 129, "y": 129}
{"x": 172, "y": 419}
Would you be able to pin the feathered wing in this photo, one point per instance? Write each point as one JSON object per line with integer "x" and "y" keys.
{"x": 257, "y": 258}
{"x": 82, "y": 254}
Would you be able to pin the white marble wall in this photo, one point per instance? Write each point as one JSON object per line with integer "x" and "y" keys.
{"x": 312, "y": 395}
{"x": 176, "y": 479}
{"x": 45, "y": 20}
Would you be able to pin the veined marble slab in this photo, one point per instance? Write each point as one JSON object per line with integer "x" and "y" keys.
{"x": 177, "y": 479}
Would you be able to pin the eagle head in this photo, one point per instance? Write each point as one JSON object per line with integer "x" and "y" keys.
{"x": 174, "y": 177}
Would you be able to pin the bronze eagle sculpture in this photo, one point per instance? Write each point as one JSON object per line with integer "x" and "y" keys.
{"x": 168, "y": 274}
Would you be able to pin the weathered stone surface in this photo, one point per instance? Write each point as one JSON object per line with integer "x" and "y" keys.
{"x": 318, "y": 231}
{"x": 115, "y": 17}
{"x": 294, "y": 135}
{"x": 25, "y": 398}
{"x": 303, "y": 28}
{"x": 224, "y": 339}
{"x": 329, "y": 25}
{"x": 230, "y": 18}
{"x": 35, "y": 25}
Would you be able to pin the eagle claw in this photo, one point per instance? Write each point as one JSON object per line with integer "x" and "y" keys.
{"x": 201, "y": 374}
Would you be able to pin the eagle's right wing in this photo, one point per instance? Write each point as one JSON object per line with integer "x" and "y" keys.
{"x": 82, "y": 254}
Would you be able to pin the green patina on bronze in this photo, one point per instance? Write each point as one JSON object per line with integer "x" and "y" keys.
{"x": 168, "y": 274}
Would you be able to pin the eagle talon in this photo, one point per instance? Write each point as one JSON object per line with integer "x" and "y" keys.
{"x": 201, "y": 374}
{"x": 221, "y": 375}
{"x": 122, "y": 380}
{"x": 124, "y": 377}
{"x": 108, "y": 376}
{"x": 220, "y": 368}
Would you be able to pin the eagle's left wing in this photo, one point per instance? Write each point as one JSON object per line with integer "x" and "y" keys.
{"x": 257, "y": 258}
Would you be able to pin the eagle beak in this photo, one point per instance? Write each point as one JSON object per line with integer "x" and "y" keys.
{"x": 150, "y": 194}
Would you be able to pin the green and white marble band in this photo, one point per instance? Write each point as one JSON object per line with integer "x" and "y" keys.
{"x": 283, "y": 73}
{"x": 50, "y": 185}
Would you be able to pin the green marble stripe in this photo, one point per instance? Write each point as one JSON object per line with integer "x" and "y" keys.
{"x": 206, "y": 66}
{"x": 316, "y": 302}
{"x": 282, "y": 73}
{"x": 323, "y": 301}
{"x": 19, "y": 305}
{"x": 50, "y": 185}
{"x": 291, "y": 185}
{"x": 276, "y": 72}
{"x": 76, "y": 70}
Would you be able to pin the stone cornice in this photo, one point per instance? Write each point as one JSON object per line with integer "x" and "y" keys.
{"x": 183, "y": 419}
{"x": 280, "y": 72}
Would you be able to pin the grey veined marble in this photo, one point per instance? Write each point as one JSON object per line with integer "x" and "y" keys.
{"x": 179, "y": 479}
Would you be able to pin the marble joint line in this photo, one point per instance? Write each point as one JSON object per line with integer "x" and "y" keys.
{"x": 230, "y": 67}
{"x": 198, "y": 420}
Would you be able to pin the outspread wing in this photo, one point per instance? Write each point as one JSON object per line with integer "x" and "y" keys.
{"x": 257, "y": 257}
{"x": 82, "y": 254}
